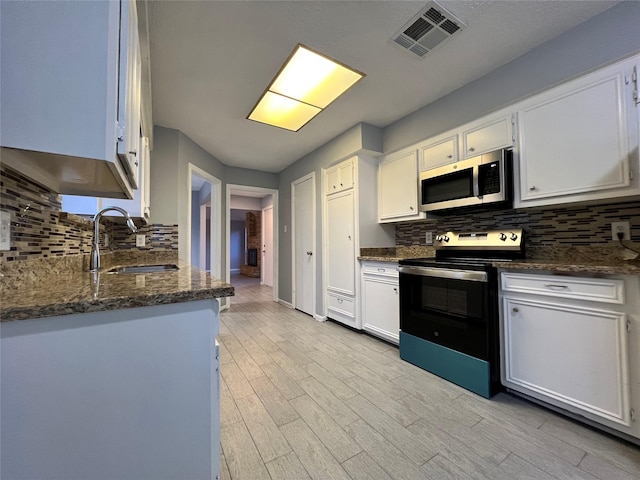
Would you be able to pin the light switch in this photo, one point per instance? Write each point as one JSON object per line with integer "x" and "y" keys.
{"x": 140, "y": 239}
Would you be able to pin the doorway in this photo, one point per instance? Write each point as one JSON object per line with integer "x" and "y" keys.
{"x": 204, "y": 230}
{"x": 252, "y": 234}
{"x": 303, "y": 218}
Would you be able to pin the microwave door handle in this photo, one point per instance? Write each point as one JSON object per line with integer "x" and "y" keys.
{"x": 476, "y": 186}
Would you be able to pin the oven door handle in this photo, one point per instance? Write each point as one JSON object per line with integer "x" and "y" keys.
{"x": 468, "y": 275}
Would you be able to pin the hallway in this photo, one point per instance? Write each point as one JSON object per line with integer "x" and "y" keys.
{"x": 302, "y": 399}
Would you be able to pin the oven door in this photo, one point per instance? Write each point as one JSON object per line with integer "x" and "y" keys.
{"x": 446, "y": 307}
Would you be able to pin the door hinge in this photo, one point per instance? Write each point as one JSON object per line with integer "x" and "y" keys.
{"x": 628, "y": 326}
{"x": 632, "y": 414}
{"x": 513, "y": 129}
{"x": 634, "y": 78}
{"x": 631, "y": 175}
{"x": 119, "y": 132}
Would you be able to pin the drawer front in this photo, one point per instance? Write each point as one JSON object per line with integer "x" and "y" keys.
{"x": 591, "y": 289}
{"x": 341, "y": 305}
{"x": 386, "y": 269}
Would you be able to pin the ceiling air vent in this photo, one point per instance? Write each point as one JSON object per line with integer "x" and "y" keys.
{"x": 429, "y": 28}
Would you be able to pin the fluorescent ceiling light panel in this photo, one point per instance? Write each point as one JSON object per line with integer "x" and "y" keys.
{"x": 306, "y": 84}
{"x": 283, "y": 112}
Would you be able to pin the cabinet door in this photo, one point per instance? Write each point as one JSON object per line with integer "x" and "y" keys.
{"x": 332, "y": 177}
{"x": 345, "y": 175}
{"x": 340, "y": 243}
{"x": 440, "y": 153}
{"x": 381, "y": 308}
{"x": 573, "y": 139}
{"x": 488, "y": 136}
{"x": 398, "y": 187}
{"x": 129, "y": 91}
{"x": 574, "y": 356}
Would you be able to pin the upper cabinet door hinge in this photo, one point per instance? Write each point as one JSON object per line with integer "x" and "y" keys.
{"x": 513, "y": 129}
{"x": 634, "y": 79}
{"x": 628, "y": 326}
{"x": 119, "y": 132}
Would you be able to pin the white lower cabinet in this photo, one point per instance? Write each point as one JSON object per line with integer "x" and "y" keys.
{"x": 572, "y": 342}
{"x": 381, "y": 300}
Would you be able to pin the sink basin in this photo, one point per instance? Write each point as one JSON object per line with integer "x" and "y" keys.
{"x": 168, "y": 267}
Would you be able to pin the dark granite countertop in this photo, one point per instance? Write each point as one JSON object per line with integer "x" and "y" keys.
{"x": 596, "y": 261}
{"x": 53, "y": 292}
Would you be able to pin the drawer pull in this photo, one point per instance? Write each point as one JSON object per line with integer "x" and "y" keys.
{"x": 515, "y": 310}
{"x": 395, "y": 289}
{"x": 382, "y": 269}
{"x": 551, "y": 286}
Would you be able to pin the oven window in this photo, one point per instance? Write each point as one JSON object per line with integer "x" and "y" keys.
{"x": 451, "y": 186}
{"x": 455, "y": 297}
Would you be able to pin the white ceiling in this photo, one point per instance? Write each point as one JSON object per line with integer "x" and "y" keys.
{"x": 211, "y": 60}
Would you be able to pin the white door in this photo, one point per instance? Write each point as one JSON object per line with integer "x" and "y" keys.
{"x": 267, "y": 246}
{"x": 340, "y": 243}
{"x": 303, "y": 202}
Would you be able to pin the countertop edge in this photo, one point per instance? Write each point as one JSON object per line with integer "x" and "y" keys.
{"x": 535, "y": 264}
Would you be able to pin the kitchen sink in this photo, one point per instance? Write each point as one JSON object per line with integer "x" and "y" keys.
{"x": 167, "y": 267}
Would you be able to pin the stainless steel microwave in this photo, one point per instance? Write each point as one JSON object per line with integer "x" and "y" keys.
{"x": 482, "y": 181}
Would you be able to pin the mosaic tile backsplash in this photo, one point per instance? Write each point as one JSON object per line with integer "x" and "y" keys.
{"x": 40, "y": 230}
{"x": 553, "y": 226}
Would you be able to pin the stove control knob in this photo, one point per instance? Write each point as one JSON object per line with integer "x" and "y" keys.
{"x": 503, "y": 236}
{"x": 445, "y": 238}
{"x": 513, "y": 236}
{"x": 438, "y": 238}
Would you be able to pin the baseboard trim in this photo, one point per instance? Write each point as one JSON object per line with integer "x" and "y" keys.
{"x": 285, "y": 303}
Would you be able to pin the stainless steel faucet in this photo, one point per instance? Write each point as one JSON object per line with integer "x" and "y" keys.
{"x": 94, "y": 262}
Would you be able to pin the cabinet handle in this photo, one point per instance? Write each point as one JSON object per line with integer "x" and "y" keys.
{"x": 349, "y": 236}
{"x": 340, "y": 300}
{"x": 471, "y": 149}
{"x": 532, "y": 188}
{"x": 341, "y": 185}
{"x": 395, "y": 289}
{"x": 515, "y": 310}
{"x": 133, "y": 152}
{"x": 551, "y": 286}
{"x": 309, "y": 253}
{"x": 411, "y": 208}
{"x": 449, "y": 156}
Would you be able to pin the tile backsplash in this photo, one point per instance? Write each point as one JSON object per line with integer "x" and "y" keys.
{"x": 39, "y": 229}
{"x": 553, "y": 226}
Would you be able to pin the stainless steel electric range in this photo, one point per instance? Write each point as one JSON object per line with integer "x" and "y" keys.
{"x": 449, "y": 308}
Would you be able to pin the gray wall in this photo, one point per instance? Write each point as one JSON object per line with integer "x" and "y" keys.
{"x": 609, "y": 36}
{"x": 603, "y": 39}
{"x": 170, "y": 158}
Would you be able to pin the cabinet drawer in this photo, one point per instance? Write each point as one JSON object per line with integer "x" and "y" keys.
{"x": 341, "y": 305}
{"x": 385, "y": 269}
{"x": 591, "y": 289}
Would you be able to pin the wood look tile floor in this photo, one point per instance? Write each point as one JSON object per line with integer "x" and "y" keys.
{"x": 307, "y": 400}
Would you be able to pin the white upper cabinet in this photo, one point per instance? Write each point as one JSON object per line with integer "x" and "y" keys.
{"x": 339, "y": 177}
{"x": 439, "y": 151}
{"x": 70, "y": 94}
{"x": 579, "y": 141}
{"x": 398, "y": 187}
{"x": 129, "y": 103}
{"x": 488, "y": 134}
